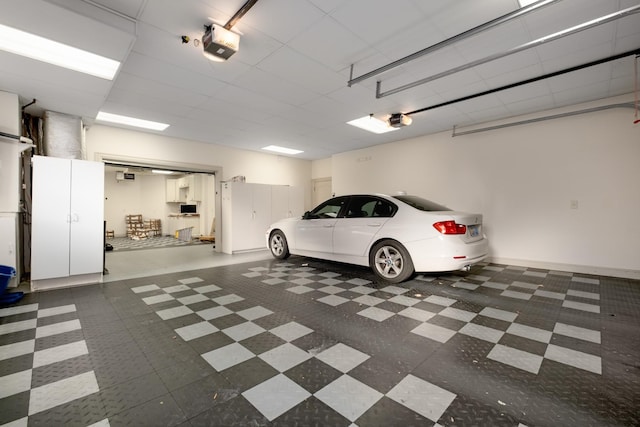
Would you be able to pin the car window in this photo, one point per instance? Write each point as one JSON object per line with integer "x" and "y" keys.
{"x": 422, "y": 204}
{"x": 367, "y": 206}
{"x": 329, "y": 209}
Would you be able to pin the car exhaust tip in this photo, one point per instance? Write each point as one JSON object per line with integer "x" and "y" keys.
{"x": 466, "y": 268}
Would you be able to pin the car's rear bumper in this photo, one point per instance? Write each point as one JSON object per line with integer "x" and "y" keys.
{"x": 446, "y": 254}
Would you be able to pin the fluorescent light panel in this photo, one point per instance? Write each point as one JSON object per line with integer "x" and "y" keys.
{"x": 525, "y": 3}
{"x": 161, "y": 171}
{"x": 283, "y": 150}
{"x": 372, "y": 124}
{"x": 52, "y": 52}
{"x": 130, "y": 121}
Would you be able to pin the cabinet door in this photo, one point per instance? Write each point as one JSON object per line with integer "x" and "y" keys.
{"x": 260, "y": 216}
{"x": 87, "y": 217}
{"x": 50, "y": 217}
{"x": 172, "y": 190}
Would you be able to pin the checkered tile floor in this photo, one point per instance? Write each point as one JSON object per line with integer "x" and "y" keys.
{"x": 313, "y": 343}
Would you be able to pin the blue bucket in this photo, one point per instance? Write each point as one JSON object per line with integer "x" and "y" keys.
{"x": 6, "y": 274}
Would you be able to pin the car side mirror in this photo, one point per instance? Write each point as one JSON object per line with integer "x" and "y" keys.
{"x": 306, "y": 215}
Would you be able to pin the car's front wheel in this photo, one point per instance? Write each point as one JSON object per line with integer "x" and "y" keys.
{"x": 278, "y": 245}
{"x": 391, "y": 261}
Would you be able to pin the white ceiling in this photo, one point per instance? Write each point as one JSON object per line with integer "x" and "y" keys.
{"x": 287, "y": 85}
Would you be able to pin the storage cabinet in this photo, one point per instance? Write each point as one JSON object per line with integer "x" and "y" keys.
{"x": 173, "y": 192}
{"x": 249, "y": 209}
{"x": 67, "y": 242}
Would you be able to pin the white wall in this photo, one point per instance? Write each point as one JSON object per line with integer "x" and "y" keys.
{"x": 145, "y": 195}
{"x": 261, "y": 168}
{"x": 524, "y": 179}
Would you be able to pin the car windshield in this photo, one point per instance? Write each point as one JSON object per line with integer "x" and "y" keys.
{"x": 422, "y": 204}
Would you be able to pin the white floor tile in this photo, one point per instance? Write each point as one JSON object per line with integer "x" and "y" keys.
{"x": 273, "y": 281}
{"x": 156, "y": 299}
{"x": 146, "y": 288}
{"x": 365, "y": 290}
{"x": 577, "y": 332}
{"x": 516, "y": 295}
{"x": 517, "y": 358}
{"x": 57, "y": 328}
{"x": 330, "y": 281}
{"x": 17, "y": 349}
{"x": 207, "y": 289}
{"x": 333, "y": 300}
{"x": 435, "y": 299}
{"x": 254, "y": 313}
{"x": 227, "y": 356}
{"x": 524, "y": 331}
{"x": 580, "y": 294}
{"x": 368, "y": 300}
{"x": 549, "y": 294}
{"x": 176, "y": 288}
{"x": 434, "y": 332}
{"x": 63, "y": 391}
{"x": 227, "y": 299}
{"x": 276, "y": 396}
{"x": 331, "y": 290}
{"x": 574, "y": 358}
{"x": 396, "y": 290}
{"x": 420, "y": 396}
{"x": 493, "y": 285}
{"x": 349, "y": 397}
{"x": 404, "y": 300}
{"x": 193, "y": 299}
{"x": 342, "y": 357}
{"x": 214, "y": 312}
{"x": 376, "y": 314}
{"x": 54, "y": 311}
{"x": 196, "y": 330}
{"x": 172, "y": 313}
{"x": 581, "y": 306}
{"x": 482, "y": 332}
{"x": 243, "y": 331}
{"x": 300, "y": 290}
{"x": 9, "y": 328}
{"x": 190, "y": 280}
{"x": 494, "y": 313}
{"x": 417, "y": 314}
{"x": 20, "y": 309}
{"x": 585, "y": 280}
{"x": 359, "y": 282}
{"x": 291, "y": 331}
{"x": 285, "y": 357}
{"x": 455, "y": 313}
{"x": 59, "y": 353}
{"x": 15, "y": 383}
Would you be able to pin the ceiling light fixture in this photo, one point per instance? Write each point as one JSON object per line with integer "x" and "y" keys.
{"x": 52, "y": 52}
{"x": 162, "y": 172}
{"x": 525, "y": 3}
{"x": 130, "y": 121}
{"x": 371, "y": 124}
{"x": 283, "y": 150}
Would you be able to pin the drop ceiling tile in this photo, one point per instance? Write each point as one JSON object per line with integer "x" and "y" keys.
{"x": 302, "y": 70}
{"x": 283, "y": 19}
{"x": 275, "y": 87}
{"x": 331, "y": 44}
{"x": 170, "y": 94}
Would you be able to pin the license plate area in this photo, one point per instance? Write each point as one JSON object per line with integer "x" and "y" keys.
{"x": 474, "y": 230}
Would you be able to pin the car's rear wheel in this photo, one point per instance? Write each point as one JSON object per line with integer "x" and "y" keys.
{"x": 278, "y": 245}
{"x": 391, "y": 261}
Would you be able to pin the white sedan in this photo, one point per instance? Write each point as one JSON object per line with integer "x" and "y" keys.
{"x": 395, "y": 235}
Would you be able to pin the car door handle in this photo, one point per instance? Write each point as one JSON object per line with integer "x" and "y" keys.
{"x": 375, "y": 224}
{"x": 328, "y": 226}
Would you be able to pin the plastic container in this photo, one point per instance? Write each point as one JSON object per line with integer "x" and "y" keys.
{"x": 6, "y": 274}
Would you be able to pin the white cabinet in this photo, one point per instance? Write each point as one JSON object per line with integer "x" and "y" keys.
{"x": 249, "y": 209}
{"x": 173, "y": 193}
{"x": 194, "y": 192}
{"x": 67, "y": 238}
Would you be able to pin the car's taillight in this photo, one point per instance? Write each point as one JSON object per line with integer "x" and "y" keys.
{"x": 450, "y": 227}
